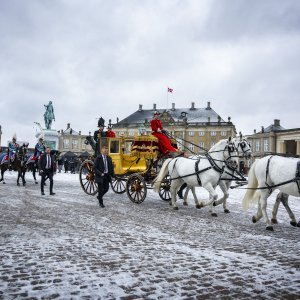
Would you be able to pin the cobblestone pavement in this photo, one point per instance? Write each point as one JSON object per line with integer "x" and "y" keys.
{"x": 66, "y": 247}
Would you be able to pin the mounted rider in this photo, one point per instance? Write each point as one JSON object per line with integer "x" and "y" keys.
{"x": 39, "y": 149}
{"x": 13, "y": 147}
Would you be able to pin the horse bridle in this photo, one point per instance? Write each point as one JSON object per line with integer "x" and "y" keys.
{"x": 243, "y": 144}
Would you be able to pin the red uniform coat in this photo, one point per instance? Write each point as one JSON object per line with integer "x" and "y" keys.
{"x": 110, "y": 133}
{"x": 163, "y": 141}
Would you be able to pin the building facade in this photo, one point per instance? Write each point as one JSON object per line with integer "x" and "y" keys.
{"x": 275, "y": 139}
{"x": 193, "y": 127}
{"x": 71, "y": 140}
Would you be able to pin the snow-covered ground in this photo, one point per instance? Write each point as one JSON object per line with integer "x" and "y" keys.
{"x": 66, "y": 246}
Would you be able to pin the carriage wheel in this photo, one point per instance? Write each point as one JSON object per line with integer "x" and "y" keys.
{"x": 86, "y": 178}
{"x": 136, "y": 188}
{"x": 118, "y": 185}
{"x": 164, "y": 189}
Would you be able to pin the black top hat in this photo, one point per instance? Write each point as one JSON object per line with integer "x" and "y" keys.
{"x": 101, "y": 122}
{"x": 156, "y": 113}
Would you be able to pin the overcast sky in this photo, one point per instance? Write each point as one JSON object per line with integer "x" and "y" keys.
{"x": 95, "y": 58}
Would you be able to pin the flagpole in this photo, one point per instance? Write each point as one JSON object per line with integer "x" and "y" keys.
{"x": 167, "y": 98}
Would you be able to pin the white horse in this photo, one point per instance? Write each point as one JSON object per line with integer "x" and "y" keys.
{"x": 205, "y": 172}
{"x": 267, "y": 174}
{"x": 283, "y": 198}
{"x": 230, "y": 173}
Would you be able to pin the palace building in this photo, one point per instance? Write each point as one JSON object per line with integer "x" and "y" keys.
{"x": 275, "y": 139}
{"x": 192, "y": 126}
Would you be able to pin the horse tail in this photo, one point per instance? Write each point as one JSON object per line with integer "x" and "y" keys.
{"x": 161, "y": 175}
{"x": 252, "y": 195}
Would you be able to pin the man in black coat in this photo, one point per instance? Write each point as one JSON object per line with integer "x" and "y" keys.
{"x": 47, "y": 167}
{"x": 104, "y": 171}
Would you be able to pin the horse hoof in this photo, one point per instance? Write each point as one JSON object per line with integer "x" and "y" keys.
{"x": 199, "y": 206}
{"x": 254, "y": 220}
{"x": 4, "y": 182}
{"x": 18, "y": 184}
{"x": 36, "y": 182}
{"x": 185, "y": 203}
{"x": 226, "y": 211}
{"x": 214, "y": 215}
{"x": 175, "y": 208}
{"x": 170, "y": 202}
{"x": 293, "y": 223}
{"x": 298, "y": 224}
{"x": 270, "y": 228}
{"x": 214, "y": 204}
{"x": 274, "y": 221}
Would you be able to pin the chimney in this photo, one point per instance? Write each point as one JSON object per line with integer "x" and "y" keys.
{"x": 61, "y": 131}
{"x": 208, "y": 105}
{"x": 208, "y": 119}
{"x": 193, "y": 106}
{"x": 219, "y": 119}
{"x": 140, "y": 107}
{"x": 154, "y": 106}
{"x": 117, "y": 120}
{"x": 254, "y": 131}
{"x": 79, "y": 132}
{"x": 68, "y": 125}
{"x": 276, "y": 122}
{"x": 173, "y": 106}
{"x": 262, "y": 129}
{"x": 229, "y": 119}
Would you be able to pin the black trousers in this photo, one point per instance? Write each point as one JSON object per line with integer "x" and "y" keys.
{"x": 48, "y": 174}
{"x": 103, "y": 187}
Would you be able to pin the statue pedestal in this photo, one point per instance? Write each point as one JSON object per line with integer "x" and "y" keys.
{"x": 51, "y": 138}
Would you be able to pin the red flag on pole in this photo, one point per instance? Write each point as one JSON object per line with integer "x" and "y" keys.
{"x": 170, "y": 90}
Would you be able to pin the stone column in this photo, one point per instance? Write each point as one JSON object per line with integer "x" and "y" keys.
{"x": 282, "y": 147}
{"x": 298, "y": 148}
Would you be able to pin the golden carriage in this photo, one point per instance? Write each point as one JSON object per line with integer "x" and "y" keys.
{"x": 136, "y": 161}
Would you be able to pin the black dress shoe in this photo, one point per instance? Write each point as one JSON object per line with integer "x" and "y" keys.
{"x": 52, "y": 194}
{"x": 43, "y": 194}
{"x": 101, "y": 205}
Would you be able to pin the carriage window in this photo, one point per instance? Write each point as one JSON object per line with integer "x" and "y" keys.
{"x": 266, "y": 145}
{"x": 201, "y": 133}
{"x": 66, "y": 144}
{"x": 223, "y": 133}
{"x": 74, "y": 144}
{"x": 213, "y": 133}
{"x": 114, "y": 147}
{"x": 127, "y": 147}
{"x": 121, "y": 133}
{"x": 191, "y": 133}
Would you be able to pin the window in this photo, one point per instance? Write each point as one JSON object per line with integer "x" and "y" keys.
{"x": 191, "y": 147}
{"x": 201, "y": 133}
{"x": 74, "y": 144}
{"x": 127, "y": 147}
{"x": 257, "y": 146}
{"x": 213, "y": 133}
{"x": 66, "y": 144}
{"x": 223, "y": 133}
{"x": 266, "y": 145}
{"x": 114, "y": 147}
{"x": 131, "y": 133}
{"x": 191, "y": 133}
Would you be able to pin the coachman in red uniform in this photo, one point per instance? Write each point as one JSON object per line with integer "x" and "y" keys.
{"x": 163, "y": 141}
{"x": 109, "y": 132}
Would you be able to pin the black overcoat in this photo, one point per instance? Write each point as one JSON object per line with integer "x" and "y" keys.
{"x": 99, "y": 168}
